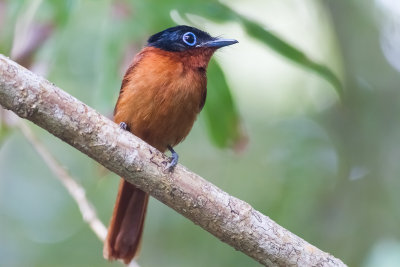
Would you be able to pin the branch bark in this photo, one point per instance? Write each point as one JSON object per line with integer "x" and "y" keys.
{"x": 232, "y": 220}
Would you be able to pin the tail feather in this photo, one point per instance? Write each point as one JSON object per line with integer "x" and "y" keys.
{"x": 126, "y": 226}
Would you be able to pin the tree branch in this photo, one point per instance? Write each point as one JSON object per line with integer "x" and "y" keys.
{"x": 231, "y": 220}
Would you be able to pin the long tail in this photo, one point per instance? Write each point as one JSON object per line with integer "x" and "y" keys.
{"x": 126, "y": 226}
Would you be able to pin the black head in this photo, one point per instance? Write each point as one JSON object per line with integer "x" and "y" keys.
{"x": 182, "y": 38}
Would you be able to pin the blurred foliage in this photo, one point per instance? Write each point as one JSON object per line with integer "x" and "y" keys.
{"x": 220, "y": 111}
{"x": 223, "y": 13}
{"x": 327, "y": 171}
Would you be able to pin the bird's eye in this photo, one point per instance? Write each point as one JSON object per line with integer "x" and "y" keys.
{"x": 189, "y": 38}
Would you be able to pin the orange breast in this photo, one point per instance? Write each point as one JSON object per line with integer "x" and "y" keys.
{"x": 160, "y": 97}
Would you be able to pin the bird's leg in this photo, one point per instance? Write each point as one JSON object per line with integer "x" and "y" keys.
{"x": 174, "y": 156}
{"x": 124, "y": 126}
{"x": 174, "y": 159}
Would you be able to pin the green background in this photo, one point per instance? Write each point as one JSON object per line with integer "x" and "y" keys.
{"x": 301, "y": 121}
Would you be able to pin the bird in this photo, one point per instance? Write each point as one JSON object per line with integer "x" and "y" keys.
{"x": 161, "y": 94}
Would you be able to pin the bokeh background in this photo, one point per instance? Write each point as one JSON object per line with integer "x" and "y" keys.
{"x": 301, "y": 121}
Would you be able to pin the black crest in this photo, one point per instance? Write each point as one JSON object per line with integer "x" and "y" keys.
{"x": 179, "y": 38}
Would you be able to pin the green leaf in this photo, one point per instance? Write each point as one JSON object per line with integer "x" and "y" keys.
{"x": 220, "y": 111}
{"x": 290, "y": 52}
{"x": 61, "y": 10}
{"x": 219, "y": 12}
{"x": 5, "y": 131}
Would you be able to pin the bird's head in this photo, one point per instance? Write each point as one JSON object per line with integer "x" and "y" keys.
{"x": 188, "y": 45}
{"x": 185, "y": 38}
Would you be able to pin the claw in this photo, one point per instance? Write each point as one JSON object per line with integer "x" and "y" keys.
{"x": 124, "y": 126}
{"x": 174, "y": 159}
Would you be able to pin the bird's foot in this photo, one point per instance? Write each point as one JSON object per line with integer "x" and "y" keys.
{"x": 173, "y": 160}
{"x": 124, "y": 126}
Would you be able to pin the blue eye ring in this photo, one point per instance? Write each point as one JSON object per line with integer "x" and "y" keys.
{"x": 189, "y": 38}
